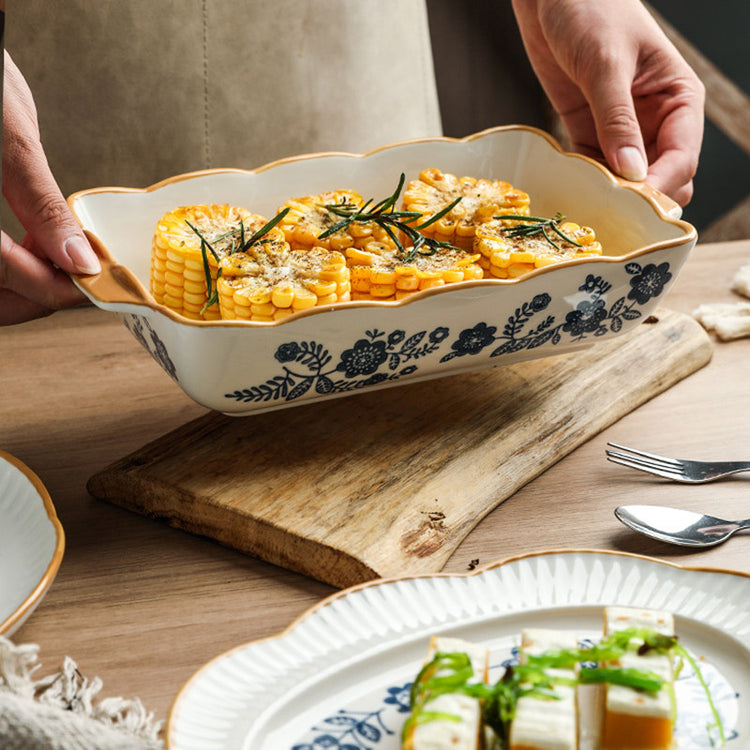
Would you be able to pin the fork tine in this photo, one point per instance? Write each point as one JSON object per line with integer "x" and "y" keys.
{"x": 627, "y": 459}
{"x": 644, "y": 454}
{"x": 667, "y": 473}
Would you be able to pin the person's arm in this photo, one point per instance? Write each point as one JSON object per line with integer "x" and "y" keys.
{"x": 624, "y": 93}
{"x": 32, "y": 278}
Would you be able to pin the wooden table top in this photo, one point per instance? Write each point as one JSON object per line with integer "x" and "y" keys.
{"x": 143, "y": 605}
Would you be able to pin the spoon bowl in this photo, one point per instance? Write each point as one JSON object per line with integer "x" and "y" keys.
{"x": 675, "y": 526}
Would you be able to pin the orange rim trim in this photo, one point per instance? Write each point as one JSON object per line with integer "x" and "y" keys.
{"x": 49, "y": 574}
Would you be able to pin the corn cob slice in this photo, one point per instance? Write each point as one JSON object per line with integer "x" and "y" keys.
{"x": 269, "y": 281}
{"x": 178, "y": 274}
{"x": 481, "y": 200}
{"x": 504, "y": 256}
{"x": 634, "y": 720}
{"x": 381, "y": 273}
{"x": 547, "y": 724}
{"x": 453, "y": 719}
{"x": 308, "y": 218}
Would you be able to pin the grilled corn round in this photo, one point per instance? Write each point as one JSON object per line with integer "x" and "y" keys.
{"x": 481, "y": 200}
{"x": 270, "y": 281}
{"x": 188, "y": 241}
{"x": 382, "y": 273}
{"x": 309, "y": 217}
{"x": 504, "y": 256}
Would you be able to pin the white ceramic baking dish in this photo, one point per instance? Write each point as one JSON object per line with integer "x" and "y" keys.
{"x": 240, "y": 367}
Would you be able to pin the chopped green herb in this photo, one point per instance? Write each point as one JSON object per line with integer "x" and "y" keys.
{"x": 452, "y": 672}
{"x": 717, "y": 723}
{"x": 638, "y": 679}
{"x": 444, "y": 673}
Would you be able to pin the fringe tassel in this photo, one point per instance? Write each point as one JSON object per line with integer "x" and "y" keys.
{"x": 59, "y": 712}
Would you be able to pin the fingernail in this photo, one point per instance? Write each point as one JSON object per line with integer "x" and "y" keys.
{"x": 631, "y": 164}
{"x": 81, "y": 255}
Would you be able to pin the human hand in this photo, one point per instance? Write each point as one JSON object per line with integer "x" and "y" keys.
{"x": 32, "y": 278}
{"x": 624, "y": 93}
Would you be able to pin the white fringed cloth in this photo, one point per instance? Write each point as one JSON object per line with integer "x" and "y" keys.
{"x": 60, "y": 712}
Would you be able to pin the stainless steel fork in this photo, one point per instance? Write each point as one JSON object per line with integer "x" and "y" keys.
{"x": 676, "y": 469}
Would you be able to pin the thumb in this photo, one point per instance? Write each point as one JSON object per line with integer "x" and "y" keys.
{"x": 30, "y": 188}
{"x": 36, "y": 200}
{"x": 617, "y": 127}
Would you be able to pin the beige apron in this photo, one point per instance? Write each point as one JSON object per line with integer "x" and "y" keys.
{"x": 130, "y": 92}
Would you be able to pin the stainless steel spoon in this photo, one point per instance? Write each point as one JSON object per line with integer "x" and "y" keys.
{"x": 677, "y": 526}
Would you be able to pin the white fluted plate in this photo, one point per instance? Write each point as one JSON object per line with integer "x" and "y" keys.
{"x": 338, "y": 677}
{"x": 31, "y": 542}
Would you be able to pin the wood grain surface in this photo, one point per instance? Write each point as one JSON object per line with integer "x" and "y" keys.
{"x": 384, "y": 484}
{"x": 143, "y": 605}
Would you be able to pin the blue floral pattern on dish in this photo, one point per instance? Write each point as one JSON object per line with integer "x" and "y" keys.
{"x": 379, "y": 727}
{"x": 358, "y": 730}
{"x": 378, "y": 357}
{"x": 307, "y": 365}
{"x": 590, "y": 317}
{"x": 150, "y": 341}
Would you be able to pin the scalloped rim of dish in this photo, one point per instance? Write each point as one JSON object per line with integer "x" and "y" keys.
{"x": 329, "y": 600}
{"x": 40, "y": 589}
{"x": 662, "y": 205}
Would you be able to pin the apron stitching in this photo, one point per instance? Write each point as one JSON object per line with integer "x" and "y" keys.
{"x": 206, "y": 128}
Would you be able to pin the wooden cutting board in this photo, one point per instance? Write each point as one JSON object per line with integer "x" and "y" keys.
{"x": 390, "y": 482}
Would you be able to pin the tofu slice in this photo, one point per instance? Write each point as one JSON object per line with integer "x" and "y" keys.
{"x": 444, "y": 734}
{"x": 635, "y": 720}
{"x": 547, "y": 724}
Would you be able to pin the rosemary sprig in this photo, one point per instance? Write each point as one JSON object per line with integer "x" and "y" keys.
{"x": 265, "y": 229}
{"x": 537, "y": 225}
{"x": 243, "y": 245}
{"x": 205, "y": 244}
{"x": 384, "y": 215}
